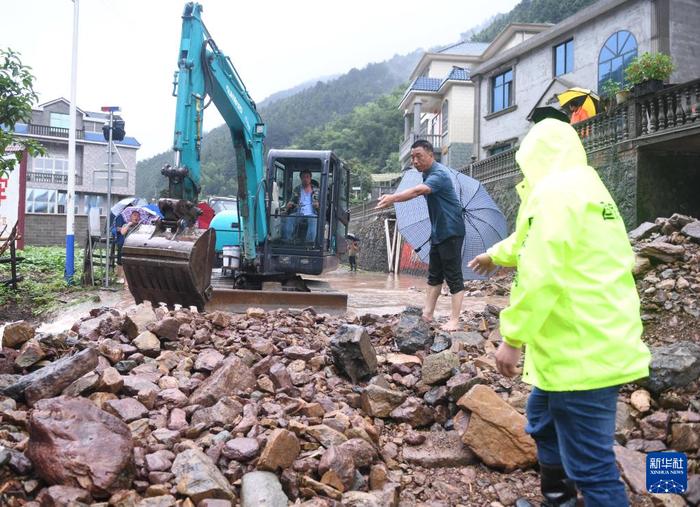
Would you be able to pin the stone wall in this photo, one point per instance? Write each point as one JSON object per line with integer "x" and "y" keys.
{"x": 618, "y": 170}
{"x": 459, "y": 155}
{"x": 41, "y": 229}
{"x": 372, "y": 255}
{"x": 503, "y": 192}
{"x": 668, "y": 182}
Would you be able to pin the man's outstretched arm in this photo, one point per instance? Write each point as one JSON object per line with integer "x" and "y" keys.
{"x": 406, "y": 195}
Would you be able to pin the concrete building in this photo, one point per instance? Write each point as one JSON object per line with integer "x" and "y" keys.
{"x": 47, "y": 175}
{"x": 585, "y": 50}
{"x": 439, "y": 103}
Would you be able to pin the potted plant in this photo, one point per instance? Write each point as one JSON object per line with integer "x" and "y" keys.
{"x": 612, "y": 88}
{"x": 648, "y": 72}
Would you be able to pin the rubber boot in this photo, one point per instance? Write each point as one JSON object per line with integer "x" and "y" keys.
{"x": 557, "y": 489}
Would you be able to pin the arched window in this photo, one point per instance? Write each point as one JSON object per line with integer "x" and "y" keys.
{"x": 615, "y": 55}
{"x": 445, "y": 112}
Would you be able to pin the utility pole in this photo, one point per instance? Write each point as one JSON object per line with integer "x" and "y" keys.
{"x": 69, "y": 271}
{"x": 110, "y": 164}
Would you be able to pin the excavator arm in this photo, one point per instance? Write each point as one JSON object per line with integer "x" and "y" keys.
{"x": 205, "y": 75}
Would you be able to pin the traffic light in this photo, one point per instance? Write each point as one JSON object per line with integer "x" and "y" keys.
{"x": 117, "y": 132}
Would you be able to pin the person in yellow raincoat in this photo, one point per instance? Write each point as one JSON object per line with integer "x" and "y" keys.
{"x": 575, "y": 308}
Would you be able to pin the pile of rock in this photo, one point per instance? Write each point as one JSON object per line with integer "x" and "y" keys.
{"x": 668, "y": 268}
{"x": 158, "y": 408}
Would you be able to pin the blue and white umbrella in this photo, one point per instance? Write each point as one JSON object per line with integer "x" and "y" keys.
{"x": 484, "y": 223}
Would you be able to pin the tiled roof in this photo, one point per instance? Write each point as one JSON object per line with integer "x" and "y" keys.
{"x": 464, "y": 48}
{"x": 426, "y": 84}
{"x": 457, "y": 74}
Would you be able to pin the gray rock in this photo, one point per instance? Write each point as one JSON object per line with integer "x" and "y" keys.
{"x": 197, "y": 477}
{"x": 644, "y": 230}
{"x": 441, "y": 342}
{"x": 262, "y": 489}
{"x": 411, "y": 332}
{"x": 674, "y": 365}
{"x": 692, "y": 230}
{"x": 353, "y": 353}
{"x": 231, "y": 378}
{"x": 138, "y": 318}
{"x": 468, "y": 339}
{"x": 378, "y": 401}
{"x": 693, "y": 492}
{"x": 440, "y": 449}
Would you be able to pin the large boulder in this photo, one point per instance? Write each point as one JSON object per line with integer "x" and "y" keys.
{"x": 674, "y": 365}
{"x": 692, "y": 230}
{"x": 662, "y": 251}
{"x": 74, "y": 443}
{"x": 231, "y": 378}
{"x": 496, "y": 431}
{"x": 197, "y": 477}
{"x": 353, "y": 353}
{"x": 644, "y": 230}
{"x": 16, "y": 334}
{"x": 411, "y": 332}
{"x": 138, "y": 318}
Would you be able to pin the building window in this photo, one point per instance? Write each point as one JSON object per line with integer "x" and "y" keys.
{"x": 502, "y": 91}
{"x": 59, "y": 120}
{"x": 92, "y": 201}
{"x": 615, "y": 55}
{"x": 40, "y": 200}
{"x": 500, "y": 148}
{"x": 445, "y": 113}
{"x": 50, "y": 165}
{"x": 564, "y": 58}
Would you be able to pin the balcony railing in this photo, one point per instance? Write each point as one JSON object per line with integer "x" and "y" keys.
{"x": 673, "y": 109}
{"x": 49, "y": 177}
{"x": 405, "y": 148}
{"x": 495, "y": 167}
{"x": 48, "y": 131}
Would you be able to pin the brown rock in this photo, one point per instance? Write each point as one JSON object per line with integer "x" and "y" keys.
{"x": 220, "y": 319}
{"x": 127, "y": 409}
{"x": 232, "y": 377}
{"x": 655, "y": 426}
{"x": 641, "y": 400}
{"x": 167, "y": 328}
{"x": 198, "y": 477}
{"x": 662, "y": 251}
{"x": 111, "y": 349}
{"x": 30, "y": 353}
{"x": 340, "y": 462}
{"x": 54, "y": 378}
{"x": 280, "y": 377}
{"x": 440, "y": 449}
{"x": 438, "y": 367}
{"x": 160, "y": 501}
{"x": 378, "y": 476}
{"x": 177, "y": 420}
{"x": 171, "y": 397}
{"x": 147, "y": 343}
{"x": 212, "y": 502}
{"x": 414, "y": 412}
{"x": 208, "y": 360}
{"x": 124, "y": 498}
{"x": 63, "y": 496}
{"x": 17, "y": 333}
{"x": 281, "y": 450}
{"x": 241, "y": 449}
{"x": 224, "y": 412}
{"x": 685, "y": 436}
{"x": 496, "y": 431}
{"x": 110, "y": 381}
{"x": 379, "y": 402}
{"x": 64, "y": 431}
{"x": 325, "y": 435}
{"x": 137, "y": 319}
{"x": 296, "y": 352}
{"x": 632, "y": 465}
{"x": 363, "y": 453}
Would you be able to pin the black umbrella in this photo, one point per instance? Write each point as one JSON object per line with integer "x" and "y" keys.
{"x": 484, "y": 223}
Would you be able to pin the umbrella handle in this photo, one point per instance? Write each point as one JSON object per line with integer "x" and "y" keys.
{"x": 421, "y": 247}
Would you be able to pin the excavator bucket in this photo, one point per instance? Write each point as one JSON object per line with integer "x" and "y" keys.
{"x": 172, "y": 268}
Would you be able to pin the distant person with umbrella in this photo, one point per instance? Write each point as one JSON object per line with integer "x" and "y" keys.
{"x": 447, "y": 230}
{"x": 575, "y": 308}
{"x": 121, "y": 229}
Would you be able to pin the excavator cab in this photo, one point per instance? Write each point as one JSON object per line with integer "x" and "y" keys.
{"x": 307, "y": 210}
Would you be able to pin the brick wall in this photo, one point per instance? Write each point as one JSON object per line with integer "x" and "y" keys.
{"x": 50, "y": 230}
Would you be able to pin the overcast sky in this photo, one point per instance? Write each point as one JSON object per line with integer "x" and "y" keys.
{"x": 128, "y": 48}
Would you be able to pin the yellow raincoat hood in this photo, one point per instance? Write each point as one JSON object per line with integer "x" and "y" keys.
{"x": 573, "y": 304}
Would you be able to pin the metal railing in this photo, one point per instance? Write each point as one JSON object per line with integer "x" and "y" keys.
{"x": 48, "y": 131}
{"x": 50, "y": 177}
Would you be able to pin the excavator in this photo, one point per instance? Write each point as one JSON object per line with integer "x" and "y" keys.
{"x": 283, "y": 229}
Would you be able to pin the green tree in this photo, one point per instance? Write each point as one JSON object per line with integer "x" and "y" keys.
{"x": 16, "y": 98}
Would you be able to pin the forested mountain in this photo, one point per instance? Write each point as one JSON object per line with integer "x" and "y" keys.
{"x": 531, "y": 11}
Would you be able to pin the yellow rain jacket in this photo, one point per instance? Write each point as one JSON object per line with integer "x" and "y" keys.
{"x": 573, "y": 304}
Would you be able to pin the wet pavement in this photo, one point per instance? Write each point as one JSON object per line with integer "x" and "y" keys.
{"x": 368, "y": 292}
